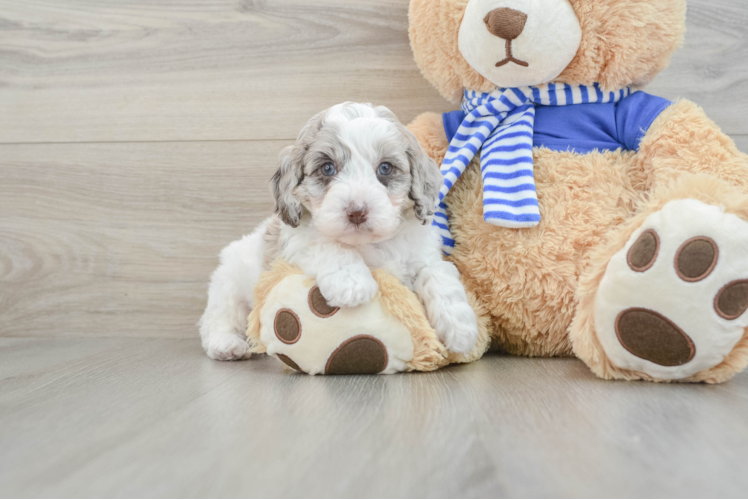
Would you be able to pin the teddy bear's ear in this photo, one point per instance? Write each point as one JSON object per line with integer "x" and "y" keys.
{"x": 625, "y": 42}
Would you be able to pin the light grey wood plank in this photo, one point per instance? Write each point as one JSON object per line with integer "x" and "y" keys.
{"x": 712, "y": 67}
{"x": 224, "y": 69}
{"x": 741, "y": 141}
{"x": 144, "y": 418}
{"x": 120, "y": 239}
{"x": 144, "y": 70}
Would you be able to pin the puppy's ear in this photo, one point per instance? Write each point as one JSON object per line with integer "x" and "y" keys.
{"x": 288, "y": 176}
{"x": 426, "y": 179}
{"x": 290, "y": 173}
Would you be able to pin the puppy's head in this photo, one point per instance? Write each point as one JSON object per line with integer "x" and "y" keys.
{"x": 359, "y": 173}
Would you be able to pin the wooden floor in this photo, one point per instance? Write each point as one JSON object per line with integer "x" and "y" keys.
{"x": 154, "y": 417}
{"x": 136, "y": 140}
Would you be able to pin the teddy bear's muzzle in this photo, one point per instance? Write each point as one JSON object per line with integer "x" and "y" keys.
{"x": 507, "y": 24}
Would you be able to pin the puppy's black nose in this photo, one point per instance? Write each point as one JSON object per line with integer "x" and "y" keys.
{"x": 357, "y": 215}
{"x": 505, "y": 23}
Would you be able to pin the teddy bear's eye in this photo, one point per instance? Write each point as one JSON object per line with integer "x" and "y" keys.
{"x": 328, "y": 170}
{"x": 384, "y": 169}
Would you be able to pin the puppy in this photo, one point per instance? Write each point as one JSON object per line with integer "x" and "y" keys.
{"x": 355, "y": 191}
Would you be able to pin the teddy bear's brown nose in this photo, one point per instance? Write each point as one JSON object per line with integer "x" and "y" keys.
{"x": 505, "y": 23}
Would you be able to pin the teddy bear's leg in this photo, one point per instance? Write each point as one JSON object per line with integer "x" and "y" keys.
{"x": 666, "y": 297}
{"x": 293, "y": 322}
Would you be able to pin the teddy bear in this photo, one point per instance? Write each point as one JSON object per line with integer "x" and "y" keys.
{"x": 587, "y": 217}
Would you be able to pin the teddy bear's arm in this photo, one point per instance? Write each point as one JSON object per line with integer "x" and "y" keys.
{"x": 429, "y": 130}
{"x": 684, "y": 140}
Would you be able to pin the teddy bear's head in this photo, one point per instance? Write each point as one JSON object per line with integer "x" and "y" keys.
{"x": 484, "y": 44}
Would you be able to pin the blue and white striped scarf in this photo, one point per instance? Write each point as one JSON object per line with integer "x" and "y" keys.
{"x": 501, "y": 125}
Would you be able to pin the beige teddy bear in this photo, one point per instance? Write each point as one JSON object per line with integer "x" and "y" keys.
{"x": 587, "y": 217}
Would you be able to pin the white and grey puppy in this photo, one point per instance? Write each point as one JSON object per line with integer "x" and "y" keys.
{"x": 355, "y": 191}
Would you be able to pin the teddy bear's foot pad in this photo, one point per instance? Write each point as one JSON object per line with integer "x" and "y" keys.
{"x": 363, "y": 355}
{"x": 651, "y": 336}
{"x": 673, "y": 300}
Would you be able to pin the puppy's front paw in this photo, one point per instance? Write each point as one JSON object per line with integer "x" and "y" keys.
{"x": 458, "y": 328}
{"x": 348, "y": 287}
{"x": 226, "y": 347}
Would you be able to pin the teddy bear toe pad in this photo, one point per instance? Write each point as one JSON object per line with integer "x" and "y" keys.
{"x": 358, "y": 355}
{"x": 651, "y": 336}
{"x": 304, "y": 332}
{"x": 673, "y": 301}
{"x": 643, "y": 252}
{"x": 287, "y": 326}
{"x": 732, "y": 300}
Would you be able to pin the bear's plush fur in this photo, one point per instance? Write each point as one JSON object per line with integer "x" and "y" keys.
{"x": 540, "y": 286}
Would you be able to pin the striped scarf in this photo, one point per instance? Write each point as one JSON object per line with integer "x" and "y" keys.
{"x": 501, "y": 125}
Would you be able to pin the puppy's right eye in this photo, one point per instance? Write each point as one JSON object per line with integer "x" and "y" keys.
{"x": 328, "y": 170}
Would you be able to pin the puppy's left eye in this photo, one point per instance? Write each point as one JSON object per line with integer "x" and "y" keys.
{"x": 384, "y": 169}
{"x": 328, "y": 170}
